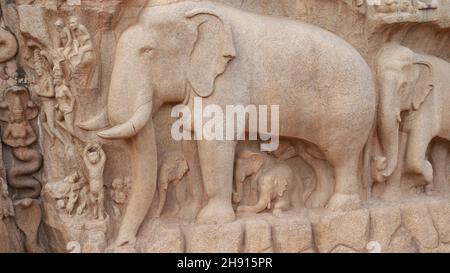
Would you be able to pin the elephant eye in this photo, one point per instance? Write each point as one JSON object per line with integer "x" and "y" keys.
{"x": 147, "y": 51}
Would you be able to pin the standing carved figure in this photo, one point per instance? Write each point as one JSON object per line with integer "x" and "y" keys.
{"x": 17, "y": 109}
{"x": 65, "y": 103}
{"x": 94, "y": 158}
{"x": 45, "y": 90}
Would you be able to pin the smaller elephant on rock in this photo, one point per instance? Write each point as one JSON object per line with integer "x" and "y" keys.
{"x": 275, "y": 179}
{"x": 275, "y": 187}
{"x": 173, "y": 167}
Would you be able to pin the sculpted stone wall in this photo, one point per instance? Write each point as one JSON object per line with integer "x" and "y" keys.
{"x": 352, "y": 156}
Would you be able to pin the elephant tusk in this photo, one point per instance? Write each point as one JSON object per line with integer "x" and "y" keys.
{"x": 131, "y": 127}
{"x": 100, "y": 121}
{"x": 125, "y": 130}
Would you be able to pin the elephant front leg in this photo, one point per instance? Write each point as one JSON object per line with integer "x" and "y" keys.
{"x": 217, "y": 163}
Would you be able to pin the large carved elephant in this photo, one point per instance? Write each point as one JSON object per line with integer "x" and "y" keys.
{"x": 414, "y": 98}
{"x": 324, "y": 89}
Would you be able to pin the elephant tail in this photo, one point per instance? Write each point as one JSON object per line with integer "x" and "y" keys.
{"x": 19, "y": 174}
{"x": 366, "y": 162}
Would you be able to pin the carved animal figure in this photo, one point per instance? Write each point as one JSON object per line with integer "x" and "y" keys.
{"x": 17, "y": 109}
{"x": 274, "y": 187}
{"x": 414, "y": 99}
{"x": 226, "y": 56}
{"x": 172, "y": 169}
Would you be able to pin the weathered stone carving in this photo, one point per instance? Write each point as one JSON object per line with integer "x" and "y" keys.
{"x": 17, "y": 109}
{"x": 94, "y": 158}
{"x": 362, "y": 161}
{"x": 412, "y": 100}
{"x": 131, "y": 101}
{"x": 6, "y": 205}
{"x": 173, "y": 167}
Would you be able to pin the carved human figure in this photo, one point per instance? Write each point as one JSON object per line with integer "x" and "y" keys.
{"x": 414, "y": 98}
{"x": 64, "y": 39}
{"x": 172, "y": 169}
{"x": 207, "y": 48}
{"x": 83, "y": 48}
{"x": 17, "y": 109}
{"x": 70, "y": 192}
{"x": 94, "y": 158}
{"x": 76, "y": 184}
{"x": 65, "y": 103}
{"x": 6, "y": 205}
{"x": 119, "y": 193}
{"x": 46, "y": 92}
{"x": 274, "y": 187}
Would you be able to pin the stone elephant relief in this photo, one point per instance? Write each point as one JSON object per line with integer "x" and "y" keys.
{"x": 276, "y": 182}
{"x": 414, "y": 99}
{"x": 231, "y": 57}
{"x": 172, "y": 168}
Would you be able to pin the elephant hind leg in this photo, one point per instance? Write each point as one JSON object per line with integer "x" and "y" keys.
{"x": 346, "y": 193}
{"x": 416, "y": 161}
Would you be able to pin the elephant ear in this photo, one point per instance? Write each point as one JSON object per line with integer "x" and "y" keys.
{"x": 281, "y": 186}
{"x": 213, "y": 50}
{"x": 420, "y": 82}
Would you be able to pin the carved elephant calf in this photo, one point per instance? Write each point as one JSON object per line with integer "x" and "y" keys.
{"x": 172, "y": 169}
{"x": 414, "y": 98}
{"x": 275, "y": 187}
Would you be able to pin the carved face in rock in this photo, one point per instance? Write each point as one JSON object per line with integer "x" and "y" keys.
{"x": 118, "y": 184}
{"x": 93, "y": 154}
{"x": 73, "y": 23}
{"x": 17, "y": 106}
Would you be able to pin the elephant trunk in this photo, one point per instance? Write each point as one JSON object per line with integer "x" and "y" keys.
{"x": 130, "y": 110}
{"x": 238, "y": 182}
{"x": 263, "y": 201}
{"x": 389, "y": 114}
{"x": 131, "y": 92}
